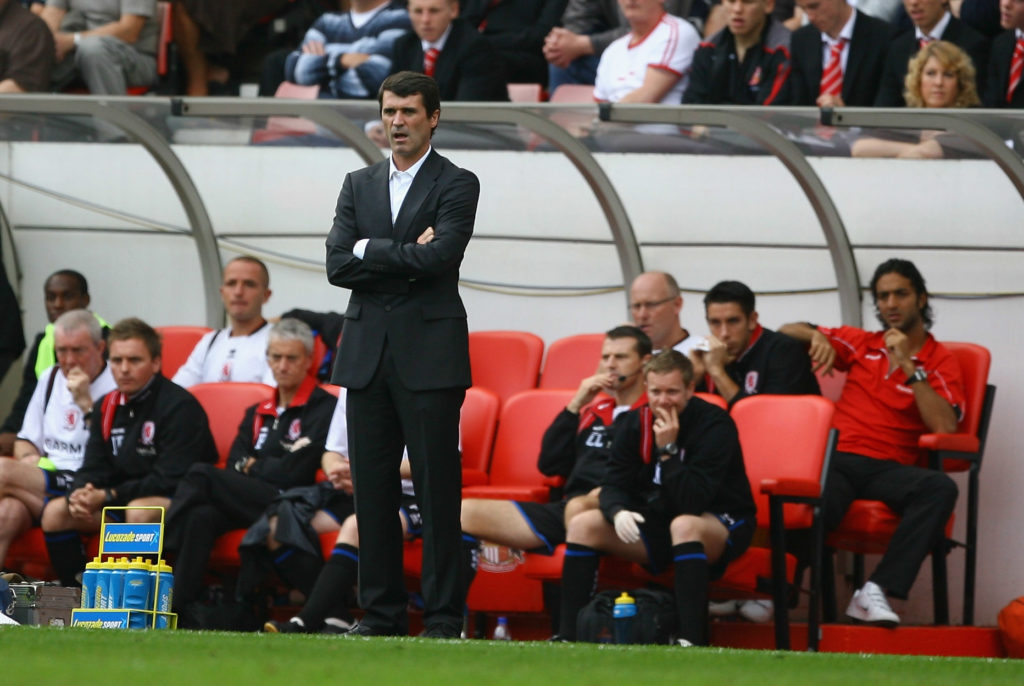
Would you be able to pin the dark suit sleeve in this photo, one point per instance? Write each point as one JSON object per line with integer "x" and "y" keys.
{"x": 978, "y": 49}
{"x": 453, "y": 227}
{"x": 890, "y": 88}
{"x": 242, "y": 445}
{"x": 345, "y": 269}
{"x": 622, "y": 483}
{"x": 800, "y": 92}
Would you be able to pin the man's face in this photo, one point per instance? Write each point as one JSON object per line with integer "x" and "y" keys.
{"x": 132, "y": 365}
{"x": 745, "y": 18}
{"x": 76, "y": 349}
{"x": 243, "y": 291}
{"x": 407, "y": 125}
{"x": 925, "y": 13}
{"x": 289, "y": 363}
{"x": 668, "y": 391}
{"x": 827, "y": 16}
{"x": 62, "y": 295}
{"x": 654, "y": 310}
{"x": 619, "y": 356}
{"x": 1011, "y": 14}
{"x": 431, "y": 18}
{"x": 899, "y": 305}
{"x": 641, "y": 11}
{"x": 728, "y": 323}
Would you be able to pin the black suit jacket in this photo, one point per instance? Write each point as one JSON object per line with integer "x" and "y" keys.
{"x": 998, "y": 79}
{"x": 468, "y": 68}
{"x": 517, "y": 29}
{"x": 404, "y": 293}
{"x": 863, "y": 65}
{"x": 904, "y": 47}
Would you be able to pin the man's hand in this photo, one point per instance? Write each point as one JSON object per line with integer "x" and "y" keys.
{"x": 562, "y": 46}
{"x": 426, "y": 236}
{"x": 78, "y": 384}
{"x": 717, "y": 355}
{"x": 340, "y": 476}
{"x": 589, "y": 388}
{"x": 830, "y": 101}
{"x": 313, "y": 47}
{"x": 84, "y": 502}
{"x": 666, "y": 425}
{"x": 626, "y": 525}
{"x": 821, "y": 352}
{"x": 351, "y": 60}
{"x": 898, "y": 346}
{"x": 697, "y": 360}
{"x": 65, "y": 43}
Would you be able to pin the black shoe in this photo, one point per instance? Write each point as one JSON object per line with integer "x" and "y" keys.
{"x": 276, "y": 627}
{"x": 363, "y": 631}
{"x": 337, "y": 626}
{"x": 442, "y": 631}
{"x": 558, "y": 638}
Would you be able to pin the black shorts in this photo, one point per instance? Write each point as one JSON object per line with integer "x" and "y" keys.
{"x": 547, "y": 521}
{"x": 338, "y": 505}
{"x": 58, "y": 482}
{"x": 657, "y": 539}
{"x": 413, "y": 519}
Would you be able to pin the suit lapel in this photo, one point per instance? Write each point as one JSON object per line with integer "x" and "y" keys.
{"x": 421, "y": 186}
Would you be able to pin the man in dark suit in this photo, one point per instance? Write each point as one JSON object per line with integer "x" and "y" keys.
{"x": 463, "y": 63}
{"x": 1003, "y": 87}
{"x": 399, "y": 234}
{"x": 837, "y": 32}
{"x": 516, "y": 29}
{"x": 932, "y": 21}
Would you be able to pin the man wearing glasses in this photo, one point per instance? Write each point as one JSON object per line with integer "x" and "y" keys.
{"x": 655, "y": 304}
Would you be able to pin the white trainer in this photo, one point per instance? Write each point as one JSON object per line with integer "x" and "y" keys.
{"x": 869, "y": 605}
{"x": 759, "y": 611}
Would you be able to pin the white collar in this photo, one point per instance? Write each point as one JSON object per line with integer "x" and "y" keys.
{"x": 845, "y": 33}
{"x": 411, "y": 171}
{"x": 439, "y": 43}
{"x": 937, "y": 31}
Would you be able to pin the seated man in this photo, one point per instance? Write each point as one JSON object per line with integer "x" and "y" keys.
{"x": 651, "y": 63}
{"x": 63, "y": 291}
{"x": 239, "y": 351}
{"x": 838, "y": 57}
{"x": 744, "y": 358}
{"x": 348, "y": 54}
{"x": 516, "y": 29}
{"x": 440, "y": 45}
{"x": 278, "y": 447}
{"x": 675, "y": 491}
{"x": 746, "y": 63}
{"x": 28, "y": 46}
{"x": 656, "y": 303}
{"x": 51, "y": 443}
{"x": 109, "y": 44}
{"x": 900, "y": 384}
{"x": 1002, "y": 87}
{"x": 932, "y": 21}
{"x": 575, "y": 446}
{"x": 143, "y": 437}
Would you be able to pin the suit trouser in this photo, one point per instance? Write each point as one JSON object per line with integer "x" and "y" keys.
{"x": 924, "y": 499}
{"x": 384, "y": 417}
{"x": 107, "y": 65}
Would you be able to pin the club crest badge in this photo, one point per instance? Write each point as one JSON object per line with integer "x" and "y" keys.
{"x": 294, "y": 430}
{"x": 148, "y": 433}
{"x": 750, "y": 382}
{"x": 71, "y": 419}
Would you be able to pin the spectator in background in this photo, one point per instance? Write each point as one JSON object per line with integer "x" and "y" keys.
{"x": 63, "y": 291}
{"x": 143, "y": 437}
{"x": 348, "y": 54}
{"x": 1003, "y": 87}
{"x": 746, "y": 63}
{"x": 980, "y": 15}
{"x": 932, "y": 22}
{"x": 52, "y": 439}
{"x": 574, "y": 49}
{"x": 516, "y": 29}
{"x": 838, "y": 57}
{"x": 27, "y": 51}
{"x": 237, "y": 352}
{"x": 463, "y": 63}
{"x": 651, "y": 63}
{"x": 108, "y": 44}
{"x": 656, "y": 303}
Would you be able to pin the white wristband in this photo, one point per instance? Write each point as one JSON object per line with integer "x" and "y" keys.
{"x": 77, "y": 37}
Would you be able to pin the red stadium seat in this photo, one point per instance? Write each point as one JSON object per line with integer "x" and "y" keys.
{"x": 225, "y": 405}
{"x": 571, "y": 359}
{"x": 525, "y": 92}
{"x": 868, "y": 525}
{"x": 505, "y": 362}
{"x": 283, "y": 127}
{"x": 478, "y": 426}
{"x": 177, "y": 344}
{"x": 714, "y": 399}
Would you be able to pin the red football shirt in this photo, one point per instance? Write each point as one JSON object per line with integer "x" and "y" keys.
{"x": 877, "y": 415}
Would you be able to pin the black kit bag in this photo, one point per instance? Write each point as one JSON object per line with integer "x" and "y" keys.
{"x": 654, "y": 623}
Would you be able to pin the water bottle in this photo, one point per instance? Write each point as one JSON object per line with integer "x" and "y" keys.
{"x": 119, "y": 568}
{"x": 104, "y": 569}
{"x": 90, "y": 585}
{"x": 162, "y": 577}
{"x": 138, "y": 593}
{"x": 501, "y": 630}
{"x": 623, "y": 614}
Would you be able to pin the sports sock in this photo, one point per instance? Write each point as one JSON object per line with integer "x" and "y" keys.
{"x": 333, "y": 588}
{"x": 579, "y": 579}
{"x": 298, "y": 569}
{"x": 691, "y": 581}
{"x": 67, "y": 555}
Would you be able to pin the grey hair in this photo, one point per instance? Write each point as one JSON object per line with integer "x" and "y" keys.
{"x": 73, "y": 320}
{"x": 290, "y": 329}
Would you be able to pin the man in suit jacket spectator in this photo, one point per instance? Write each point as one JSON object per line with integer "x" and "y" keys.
{"x": 838, "y": 57}
{"x": 516, "y": 29}
{"x": 1003, "y": 87}
{"x": 464, "y": 65}
{"x": 932, "y": 21}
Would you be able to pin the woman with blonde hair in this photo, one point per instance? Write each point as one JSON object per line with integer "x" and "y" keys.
{"x": 940, "y": 75}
